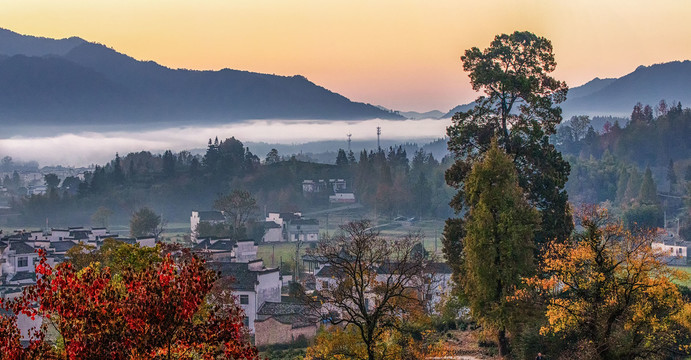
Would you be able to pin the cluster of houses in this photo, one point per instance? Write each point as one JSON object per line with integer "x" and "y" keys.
{"x": 270, "y": 316}
{"x": 18, "y": 252}
{"x": 336, "y": 189}
{"x": 33, "y": 181}
{"x": 278, "y": 226}
{"x": 290, "y": 227}
{"x": 256, "y": 287}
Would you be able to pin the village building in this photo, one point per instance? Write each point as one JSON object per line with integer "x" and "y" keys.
{"x": 284, "y": 323}
{"x": 227, "y": 250}
{"x": 673, "y": 246}
{"x": 253, "y": 284}
{"x": 212, "y": 217}
{"x": 293, "y": 227}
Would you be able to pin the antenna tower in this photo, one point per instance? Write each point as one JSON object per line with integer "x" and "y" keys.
{"x": 378, "y": 134}
{"x": 349, "y": 135}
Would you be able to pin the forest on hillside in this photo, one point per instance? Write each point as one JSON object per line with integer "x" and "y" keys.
{"x": 387, "y": 180}
{"x": 642, "y": 170}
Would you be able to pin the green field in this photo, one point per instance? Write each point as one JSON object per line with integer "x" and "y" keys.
{"x": 687, "y": 270}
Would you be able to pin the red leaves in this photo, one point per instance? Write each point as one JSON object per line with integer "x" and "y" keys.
{"x": 154, "y": 313}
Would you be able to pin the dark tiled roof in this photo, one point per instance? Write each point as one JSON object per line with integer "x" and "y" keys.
{"x": 288, "y": 216}
{"x": 304, "y": 222}
{"x": 328, "y": 272}
{"x": 17, "y": 237}
{"x": 21, "y": 247}
{"x": 62, "y": 246}
{"x": 294, "y": 314}
{"x": 314, "y": 258}
{"x": 24, "y": 275}
{"x": 245, "y": 279}
{"x": 271, "y": 225}
{"x": 217, "y": 245}
{"x": 211, "y": 216}
{"x": 438, "y": 268}
{"x": 80, "y": 234}
{"x": 280, "y": 308}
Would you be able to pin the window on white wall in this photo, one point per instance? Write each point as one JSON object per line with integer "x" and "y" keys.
{"x": 22, "y": 261}
{"x": 244, "y": 299}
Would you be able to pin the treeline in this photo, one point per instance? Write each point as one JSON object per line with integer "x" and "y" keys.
{"x": 626, "y": 167}
{"x": 648, "y": 139}
{"x": 175, "y": 183}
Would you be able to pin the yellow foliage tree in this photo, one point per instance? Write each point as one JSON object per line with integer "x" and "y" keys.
{"x": 337, "y": 343}
{"x": 608, "y": 290}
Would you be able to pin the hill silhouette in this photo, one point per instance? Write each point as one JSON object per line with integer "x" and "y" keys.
{"x": 71, "y": 81}
{"x": 670, "y": 81}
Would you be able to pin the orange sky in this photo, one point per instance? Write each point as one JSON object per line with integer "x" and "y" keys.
{"x": 401, "y": 54}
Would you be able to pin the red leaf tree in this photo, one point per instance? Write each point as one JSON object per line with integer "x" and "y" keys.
{"x": 160, "y": 312}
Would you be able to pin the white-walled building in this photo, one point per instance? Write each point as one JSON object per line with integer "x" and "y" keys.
{"x": 253, "y": 285}
{"x": 211, "y": 217}
{"x": 672, "y": 245}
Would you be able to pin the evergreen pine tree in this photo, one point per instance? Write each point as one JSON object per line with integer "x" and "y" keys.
{"x": 671, "y": 175}
{"x": 648, "y": 192}
{"x": 498, "y": 243}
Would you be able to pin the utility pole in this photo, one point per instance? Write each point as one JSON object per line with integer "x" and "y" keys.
{"x": 378, "y": 134}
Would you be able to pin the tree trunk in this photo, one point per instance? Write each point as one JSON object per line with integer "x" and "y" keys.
{"x": 370, "y": 354}
{"x": 503, "y": 343}
{"x": 369, "y": 342}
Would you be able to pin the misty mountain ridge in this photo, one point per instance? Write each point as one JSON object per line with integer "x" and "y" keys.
{"x": 72, "y": 81}
{"x": 670, "y": 81}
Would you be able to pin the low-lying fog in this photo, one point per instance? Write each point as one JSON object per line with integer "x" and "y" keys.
{"x": 85, "y": 147}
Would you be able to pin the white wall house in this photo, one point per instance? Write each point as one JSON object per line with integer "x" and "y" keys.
{"x": 212, "y": 217}
{"x": 673, "y": 246}
{"x": 253, "y": 285}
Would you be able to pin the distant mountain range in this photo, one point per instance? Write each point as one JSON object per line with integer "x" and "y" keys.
{"x": 616, "y": 97}
{"x": 72, "y": 81}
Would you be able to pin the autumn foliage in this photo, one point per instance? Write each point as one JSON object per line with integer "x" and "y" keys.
{"x": 159, "y": 312}
{"x": 610, "y": 293}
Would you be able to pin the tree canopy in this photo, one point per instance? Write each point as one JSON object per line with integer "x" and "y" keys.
{"x": 610, "y": 292}
{"x": 519, "y": 109}
{"x": 156, "y": 312}
{"x": 370, "y": 300}
{"x": 498, "y": 245}
{"x": 145, "y": 222}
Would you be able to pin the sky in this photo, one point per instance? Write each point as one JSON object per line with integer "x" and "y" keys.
{"x": 401, "y": 54}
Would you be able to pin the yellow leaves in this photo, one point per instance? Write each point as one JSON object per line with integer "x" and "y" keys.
{"x": 608, "y": 282}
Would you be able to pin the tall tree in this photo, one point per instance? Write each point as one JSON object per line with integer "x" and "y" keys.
{"x": 118, "y": 175}
{"x": 611, "y": 292}
{"x": 52, "y": 181}
{"x": 498, "y": 243}
{"x": 519, "y": 108}
{"x": 101, "y": 217}
{"x": 377, "y": 280}
{"x": 145, "y": 222}
{"x": 648, "y": 191}
{"x": 159, "y": 311}
{"x": 671, "y": 175}
{"x": 169, "y": 164}
{"x": 239, "y": 206}
{"x": 580, "y": 125}
{"x": 272, "y": 157}
{"x": 341, "y": 158}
